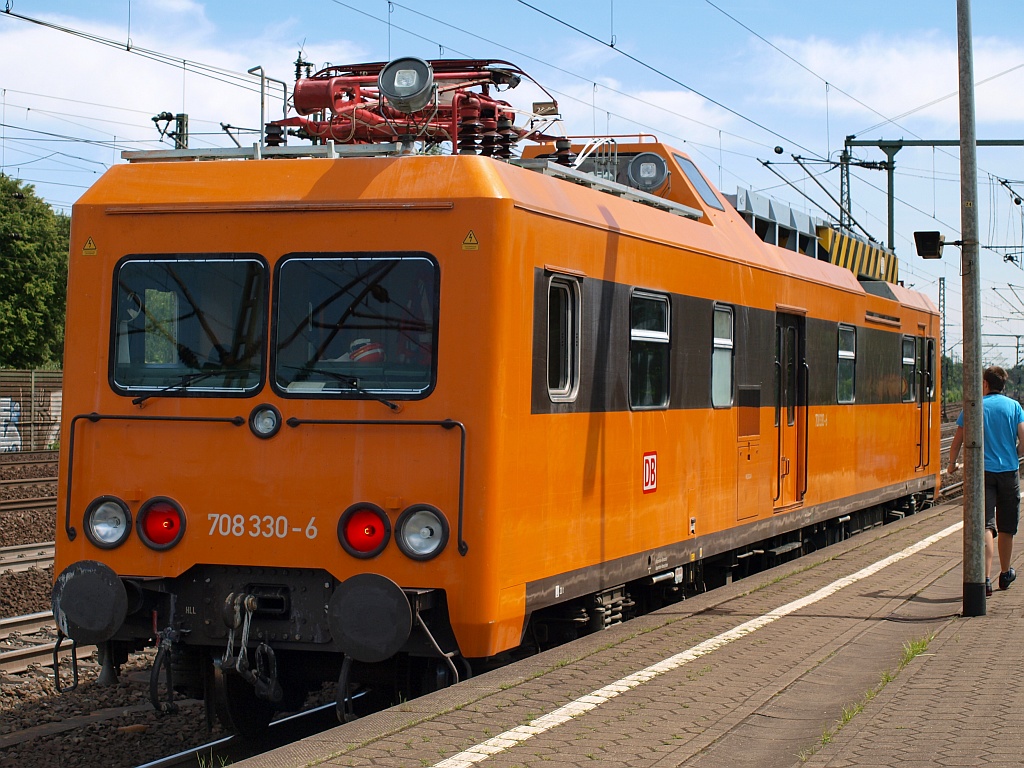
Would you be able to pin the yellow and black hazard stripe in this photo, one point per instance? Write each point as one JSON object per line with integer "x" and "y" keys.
{"x": 861, "y": 258}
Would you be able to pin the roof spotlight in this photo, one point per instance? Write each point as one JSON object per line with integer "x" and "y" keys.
{"x": 407, "y": 84}
{"x": 647, "y": 171}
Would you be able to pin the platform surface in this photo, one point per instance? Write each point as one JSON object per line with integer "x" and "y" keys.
{"x": 856, "y": 655}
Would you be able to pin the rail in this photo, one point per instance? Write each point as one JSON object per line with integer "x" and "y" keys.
{"x": 20, "y": 650}
{"x": 39, "y": 502}
{"x": 28, "y": 624}
{"x": 26, "y": 557}
{"x": 952, "y": 490}
{"x": 17, "y": 458}
{"x": 287, "y": 730}
{"x": 24, "y": 481}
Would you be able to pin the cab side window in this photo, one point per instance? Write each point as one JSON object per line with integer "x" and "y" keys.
{"x": 563, "y": 339}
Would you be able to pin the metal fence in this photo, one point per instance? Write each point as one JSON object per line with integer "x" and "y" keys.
{"x": 30, "y": 403}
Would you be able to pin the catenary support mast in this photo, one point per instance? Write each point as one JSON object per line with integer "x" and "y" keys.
{"x": 974, "y": 457}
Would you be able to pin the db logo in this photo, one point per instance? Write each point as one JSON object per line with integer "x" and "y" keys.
{"x": 650, "y": 472}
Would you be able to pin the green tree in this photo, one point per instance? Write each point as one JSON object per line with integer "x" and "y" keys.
{"x": 952, "y": 388}
{"x": 1015, "y": 384}
{"x": 33, "y": 278}
{"x": 952, "y": 380}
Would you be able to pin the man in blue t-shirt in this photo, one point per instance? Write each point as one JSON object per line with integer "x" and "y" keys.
{"x": 1004, "y": 446}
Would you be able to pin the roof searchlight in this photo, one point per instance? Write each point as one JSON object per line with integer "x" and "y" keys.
{"x": 407, "y": 84}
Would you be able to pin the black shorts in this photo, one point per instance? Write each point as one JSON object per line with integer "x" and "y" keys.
{"x": 1002, "y": 501}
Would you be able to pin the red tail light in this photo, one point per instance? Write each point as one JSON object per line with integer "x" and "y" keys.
{"x": 364, "y": 530}
{"x": 161, "y": 523}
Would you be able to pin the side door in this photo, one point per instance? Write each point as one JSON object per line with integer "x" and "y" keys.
{"x": 925, "y": 364}
{"x": 791, "y": 378}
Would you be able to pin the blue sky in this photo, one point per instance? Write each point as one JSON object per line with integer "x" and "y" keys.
{"x": 724, "y": 80}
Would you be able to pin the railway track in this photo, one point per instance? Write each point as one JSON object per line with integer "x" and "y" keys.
{"x": 25, "y": 625}
{"x": 24, "y": 481}
{"x": 39, "y": 458}
{"x": 39, "y": 502}
{"x": 30, "y": 640}
{"x": 13, "y": 457}
{"x": 952, "y": 490}
{"x": 230, "y": 749}
{"x": 21, "y": 472}
{"x": 26, "y": 556}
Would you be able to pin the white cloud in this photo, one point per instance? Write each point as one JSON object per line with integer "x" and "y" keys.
{"x": 98, "y": 92}
{"x": 892, "y": 75}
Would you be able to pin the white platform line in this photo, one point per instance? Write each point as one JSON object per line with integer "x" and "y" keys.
{"x": 594, "y": 699}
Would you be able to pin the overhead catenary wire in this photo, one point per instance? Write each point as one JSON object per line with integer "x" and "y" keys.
{"x": 886, "y": 120}
{"x": 667, "y": 76}
{"x": 839, "y": 205}
{"x": 612, "y": 114}
{"x": 239, "y": 79}
{"x": 562, "y": 94}
{"x": 633, "y": 120}
{"x": 550, "y": 65}
{"x": 828, "y": 83}
{"x": 770, "y": 167}
{"x": 663, "y": 74}
{"x": 186, "y": 64}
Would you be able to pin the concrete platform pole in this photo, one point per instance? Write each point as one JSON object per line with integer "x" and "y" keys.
{"x": 974, "y": 456}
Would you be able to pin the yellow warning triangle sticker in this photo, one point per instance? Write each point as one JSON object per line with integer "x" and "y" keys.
{"x": 89, "y": 249}
{"x": 470, "y": 243}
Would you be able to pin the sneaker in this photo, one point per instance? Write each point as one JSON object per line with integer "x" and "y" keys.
{"x": 1006, "y": 579}
{"x": 988, "y": 587}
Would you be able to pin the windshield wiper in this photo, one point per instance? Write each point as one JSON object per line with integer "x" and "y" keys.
{"x": 353, "y": 382}
{"x": 183, "y": 381}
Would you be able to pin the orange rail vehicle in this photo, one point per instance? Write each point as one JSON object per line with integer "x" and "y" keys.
{"x": 393, "y": 405}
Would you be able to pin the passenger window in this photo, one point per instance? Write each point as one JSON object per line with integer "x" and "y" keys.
{"x": 648, "y": 351}
{"x": 847, "y": 365}
{"x": 909, "y": 389}
{"x": 563, "y": 339}
{"x": 721, "y": 358}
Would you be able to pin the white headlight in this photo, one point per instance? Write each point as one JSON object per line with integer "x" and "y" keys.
{"x": 107, "y": 522}
{"x": 422, "y": 532}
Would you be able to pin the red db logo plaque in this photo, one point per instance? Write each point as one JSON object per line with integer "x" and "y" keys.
{"x": 650, "y": 472}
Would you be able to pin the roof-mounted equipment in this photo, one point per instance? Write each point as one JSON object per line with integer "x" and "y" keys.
{"x": 407, "y": 84}
{"x": 647, "y": 171}
{"x": 408, "y": 99}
